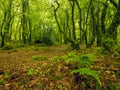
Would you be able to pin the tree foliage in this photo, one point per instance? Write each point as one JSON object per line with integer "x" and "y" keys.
{"x": 71, "y": 21}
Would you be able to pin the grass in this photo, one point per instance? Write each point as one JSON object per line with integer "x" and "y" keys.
{"x": 39, "y": 58}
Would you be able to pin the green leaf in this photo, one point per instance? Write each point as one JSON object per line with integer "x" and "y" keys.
{"x": 89, "y": 72}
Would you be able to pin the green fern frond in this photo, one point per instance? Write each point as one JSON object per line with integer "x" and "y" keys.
{"x": 86, "y": 59}
{"x": 72, "y": 58}
{"x": 89, "y": 72}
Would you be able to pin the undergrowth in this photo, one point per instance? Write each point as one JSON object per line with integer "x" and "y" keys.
{"x": 32, "y": 71}
{"x": 80, "y": 66}
{"x": 89, "y": 72}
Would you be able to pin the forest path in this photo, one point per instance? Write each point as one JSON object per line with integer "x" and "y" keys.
{"x": 22, "y": 55}
{"x": 18, "y": 70}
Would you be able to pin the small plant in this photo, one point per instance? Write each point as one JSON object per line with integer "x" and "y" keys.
{"x": 72, "y": 54}
{"x": 64, "y": 58}
{"x": 86, "y": 59}
{"x": 8, "y": 47}
{"x": 80, "y": 67}
{"x": 108, "y": 44}
{"x": 39, "y": 58}
{"x": 113, "y": 86}
{"x": 59, "y": 87}
{"x": 79, "y": 61}
{"x": 1, "y": 81}
{"x": 6, "y": 75}
{"x": 104, "y": 52}
{"x": 67, "y": 58}
{"x": 32, "y": 71}
{"x": 89, "y": 72}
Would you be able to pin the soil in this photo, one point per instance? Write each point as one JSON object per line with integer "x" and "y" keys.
{"x": 18, "y": 70}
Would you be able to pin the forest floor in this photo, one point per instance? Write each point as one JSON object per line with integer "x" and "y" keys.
{"x": 20, "y": 69}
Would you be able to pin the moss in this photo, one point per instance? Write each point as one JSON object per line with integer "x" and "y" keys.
{"x": 39, "y": 58}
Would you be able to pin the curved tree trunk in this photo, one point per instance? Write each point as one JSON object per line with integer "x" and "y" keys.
{"x": 74, "y": 45}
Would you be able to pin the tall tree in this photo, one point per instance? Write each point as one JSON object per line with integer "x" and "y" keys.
{"x": 7, "y": 18}
{"x": 25, "y": 21}
{"x": 72, "y": 40}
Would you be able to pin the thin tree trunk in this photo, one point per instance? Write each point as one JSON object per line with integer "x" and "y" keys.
{"x": 73, "y": 22}
{"x": 86, "y": 22}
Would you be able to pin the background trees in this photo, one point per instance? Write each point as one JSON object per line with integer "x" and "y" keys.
{"x": 72, "y": 21}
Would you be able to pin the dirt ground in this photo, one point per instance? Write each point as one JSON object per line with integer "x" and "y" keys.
{"x": 18, "y": 70}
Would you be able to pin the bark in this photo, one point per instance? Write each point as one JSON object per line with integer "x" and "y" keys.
{"x": 103, "y": 17}
{"x": 55, "y": 14}
{"x": 25, "y": 22}
{"x": 67, "y": 23}
{"x": 98, "y": 30}
{"x": 85, "y": 32}
{"x": 73, "y": 22}
{"x": 92, "y": 38}
{"x": 5, "y": 26}
{"x": 74, "y": 45}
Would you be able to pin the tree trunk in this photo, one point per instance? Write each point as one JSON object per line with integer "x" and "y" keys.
{"x": 74, "y": 45}
{"x": 86, "y": 22}
{"x": 73, "y": 22}
{"x": 98, "y": 30}
{"x": 5, "y": 26}
{"x": 25, "y": 21}
{"x": 92, "y": 28}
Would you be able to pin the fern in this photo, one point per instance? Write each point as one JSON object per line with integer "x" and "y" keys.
{"x": 86, "y": 59}
{"x": 72, "y": 54}
{"x": 72, "y": 58}
{"x": 89, "y": 72}
{"x": 87, "y": 56}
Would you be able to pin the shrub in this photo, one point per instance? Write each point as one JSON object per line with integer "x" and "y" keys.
{"x": 108, "y": 44}
{"x": 32, "y": 71}
{"x": 37, "y": 41}
{"x": 79, "y": 61}
{"x": 101, "y": 50}
{"x": 44, "y": 40}
{"x": 113, "y": 86}
{"x": 47, "y": 40}
{"x": 8, "y": 47}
